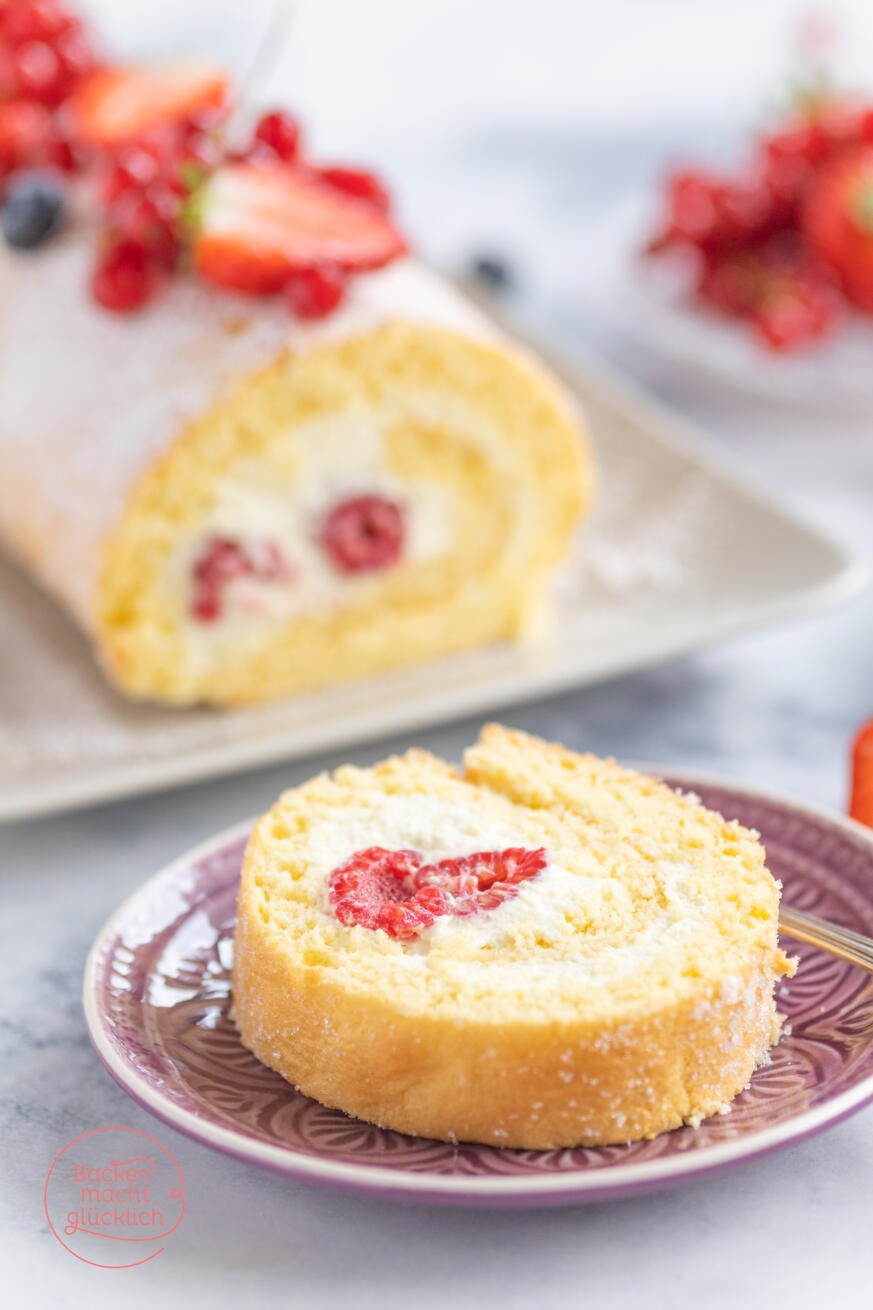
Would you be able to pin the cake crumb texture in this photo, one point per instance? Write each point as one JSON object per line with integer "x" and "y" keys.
{"x": 625, "y": 990}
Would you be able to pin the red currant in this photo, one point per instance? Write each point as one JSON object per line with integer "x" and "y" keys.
{"x": 149, "y": 217}
{"x": 201, "y": 122}
{"x": 808, "y": 143}
{"x": 729, "y": 283}
{"x": 315, "y": 292}
{"x": 281, "y": 133}
{"x": 62, "y": 152}
{"x": 133, "y": 168}
{"x": 141, "y": 218}
{"x": 124, "y": 278}
{"x": 794, "y": 315}
{"x": 26, "y": 133}
{"x": 865, "y": 127}
{"x": 356, "y": 182}
{"x": 198, "y": 155}
{"x": 75, "y": 53}
{"x": 38, "y": 73}
{"x": 32, "y": 20}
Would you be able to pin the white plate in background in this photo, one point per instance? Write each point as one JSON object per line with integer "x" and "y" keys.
{"x": 678, "y": 554}
{"x": 646, "y": 301}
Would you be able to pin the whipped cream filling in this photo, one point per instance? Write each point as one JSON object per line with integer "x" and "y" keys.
{"x": 331, "y": 460}
{"x": 555, "y": 922}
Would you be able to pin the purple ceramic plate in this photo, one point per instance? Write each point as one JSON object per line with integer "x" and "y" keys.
{"x": 156, "y": 997}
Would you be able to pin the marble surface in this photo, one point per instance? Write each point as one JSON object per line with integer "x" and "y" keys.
{"x": 507, "y": 153}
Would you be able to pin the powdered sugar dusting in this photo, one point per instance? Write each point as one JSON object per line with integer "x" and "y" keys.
{"x": 83, "y": 415}
{"x": 56, "y": 711}
{"x": 639, "y": 545}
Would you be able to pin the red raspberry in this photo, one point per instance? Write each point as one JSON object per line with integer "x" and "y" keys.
{"x": 315, "y": 292}
{"x": 484, "y": 880}
{"x": 403, "y": 920}
{"x": 268, "y": 562}
{"x": 124, "y": 278}
{"x": 364, "y": 533}
{"x": 397, "y": 892}
{"x": 372, "y": 879}
{"x": 356, "y": 182}
{"x": 221, "y": 561}
{"x": 281, "y": 134}
{"x": 512, "y": 866}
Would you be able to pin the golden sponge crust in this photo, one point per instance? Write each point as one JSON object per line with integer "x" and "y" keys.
{"x": 517, "y": 1055}
{"x": 516, "y": 511}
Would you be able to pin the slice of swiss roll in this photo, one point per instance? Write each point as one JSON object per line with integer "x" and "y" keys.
{"x": 540, "y": 950}
{"x": 236, "y": 505}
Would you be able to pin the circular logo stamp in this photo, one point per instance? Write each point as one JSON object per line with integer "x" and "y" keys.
{"x": 113, "y": 1196}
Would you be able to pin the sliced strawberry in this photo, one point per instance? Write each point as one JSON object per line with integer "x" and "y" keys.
{"x": 118, "y": 104}
{"x": 838, "y": 223}
{"x": 260, "y": 222}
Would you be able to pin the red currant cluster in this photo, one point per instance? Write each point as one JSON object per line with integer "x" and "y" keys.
{"x": 754, "y": 234}
{"x": 172, "y": 192}
{"x": 145, "y": 187}
{"x": 44, "y": 53}
{"x": 147, "y": 191}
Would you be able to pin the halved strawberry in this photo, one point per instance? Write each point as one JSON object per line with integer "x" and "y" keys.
{"x": 115, "y": 105}
{"x": 838, "y": 223}
{"x": 259, "y": 223}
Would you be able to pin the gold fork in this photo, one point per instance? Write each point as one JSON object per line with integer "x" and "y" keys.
{"x": 844, "y": 942}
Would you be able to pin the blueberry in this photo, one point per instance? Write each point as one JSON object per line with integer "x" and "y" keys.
{"x": 33, "y": 211}
{"x": 494, "y": 271}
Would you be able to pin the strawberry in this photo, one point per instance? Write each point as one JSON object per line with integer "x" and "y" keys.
{"x": 838, "y": 223}
{"x": 260, "y": 222}
{"x": 114, "y": 105}
{"x": 861, "y": 798}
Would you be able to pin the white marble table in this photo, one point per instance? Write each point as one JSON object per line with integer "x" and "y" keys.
{"x": 775, "y": 711}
